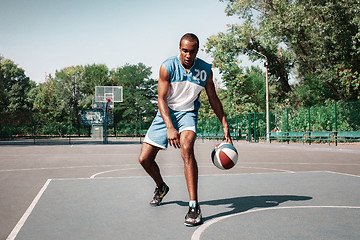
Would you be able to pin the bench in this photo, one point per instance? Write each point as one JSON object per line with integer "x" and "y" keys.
{"x": 347, "y": 136}
{"x": 286, "y": 136}
{"x": 315, "y": 136}
{"x": 319, "y": 135}
{"x": 296, "y": 136}
{"x": 276, "y": 136}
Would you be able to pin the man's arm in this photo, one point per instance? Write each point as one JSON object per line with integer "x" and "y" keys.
{"x": 163, "y": 92}
{"x": 217, "y": 107}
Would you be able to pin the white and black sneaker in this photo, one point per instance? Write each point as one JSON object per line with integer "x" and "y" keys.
{"x": 193, "y": 217}
{"x": 159, "y": 194}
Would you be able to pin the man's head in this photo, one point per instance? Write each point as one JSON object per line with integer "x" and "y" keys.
{"x": 189, "y": 47}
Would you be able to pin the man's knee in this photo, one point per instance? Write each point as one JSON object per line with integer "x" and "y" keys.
{"x": 187, "y": 147}
{"x": 147, "y": 155}
{"x": 143, "y": 160}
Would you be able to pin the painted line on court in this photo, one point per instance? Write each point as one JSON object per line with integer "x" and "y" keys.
{"x": 114, "y": 170}
{"x": 57, "y": 168}
{"x": 273, "y": 169}
{"x": 27, "y": 213}
{"x": 200, "y": 165}
{"x": 346, "y": 174}
{"x": 167, "y": 166}
{"x": 310, "y": 163}
{"x": 197, "y": 234}
{"x": 125, "y": 169}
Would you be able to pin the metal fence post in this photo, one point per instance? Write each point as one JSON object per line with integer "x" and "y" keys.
{"x": 309, "y": 119}
{"x": 249, "y": 127}
{"x": 270, "y": 123}
{"x": 287, "y": 120}
{"x": 336, "y": 116}
{"x": 140, "y": 125}
{"x": 237, "y": 128}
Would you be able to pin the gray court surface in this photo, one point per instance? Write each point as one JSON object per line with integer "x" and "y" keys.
{"x": 275, "y": 191}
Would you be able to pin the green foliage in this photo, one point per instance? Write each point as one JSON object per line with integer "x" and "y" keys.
{"x": 320, "y": 39}
{"x": 14, "y": 87}
{"x": 92, "y": 76}
{"x": 139, "y": 96}
{"x": 60, "y": 99}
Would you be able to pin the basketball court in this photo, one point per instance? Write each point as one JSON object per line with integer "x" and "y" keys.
{"x": 276, "y": 191}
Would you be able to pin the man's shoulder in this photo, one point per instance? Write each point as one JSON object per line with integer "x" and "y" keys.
{"x": 203, "y": 64}
{"x": 171, "y": 64}
{"x": 202, "y": 61}
{"x": 171, "y": 60}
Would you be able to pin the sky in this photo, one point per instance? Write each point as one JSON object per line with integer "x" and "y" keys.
{"x": 43, "y": 36}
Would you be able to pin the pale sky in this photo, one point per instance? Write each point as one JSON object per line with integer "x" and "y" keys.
{"x": 43, "y": 36}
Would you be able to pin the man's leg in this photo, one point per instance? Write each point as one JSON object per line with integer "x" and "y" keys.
{"x": 147, "y": 161}
{"x": 187, "y": 141}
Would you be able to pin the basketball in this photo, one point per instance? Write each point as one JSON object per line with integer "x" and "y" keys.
{"x": 224, "y": 156}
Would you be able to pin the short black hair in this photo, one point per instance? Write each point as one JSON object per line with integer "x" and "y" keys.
{"x": 190, "y": 37}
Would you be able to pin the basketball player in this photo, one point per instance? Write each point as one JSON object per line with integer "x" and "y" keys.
{"x": 181, "y": 80}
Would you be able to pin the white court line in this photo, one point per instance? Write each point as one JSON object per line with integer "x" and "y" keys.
{"x": 200, "y": 165}
{"x": 196, "y": 235}
{"x": 346, "y": 174}
{"x": 23, "y": 219}
{"x": 310, "y": 163}
{"x": 125, "y": 169}
{"x": 273, "y": 169}
{"x": 114, "y": 170}
{"x": 56, "y": 168}
{"x": 202, "y": 228}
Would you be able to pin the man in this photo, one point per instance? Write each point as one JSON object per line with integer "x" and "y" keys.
{"x": 181, "y": 80}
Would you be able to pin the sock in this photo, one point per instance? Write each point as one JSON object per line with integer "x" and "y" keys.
{"x": 192, "y": 203}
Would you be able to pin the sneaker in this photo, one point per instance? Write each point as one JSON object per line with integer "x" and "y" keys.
{"x": 193, "y": 217}
{"x": 159, "y": 194}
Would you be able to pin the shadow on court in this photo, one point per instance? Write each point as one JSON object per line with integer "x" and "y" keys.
{"x": 275, "y": 192}
{"x": 243, "y": 204}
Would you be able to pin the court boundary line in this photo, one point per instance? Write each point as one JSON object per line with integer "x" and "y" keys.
{"x": 197, "y": 233}
{"x": 181, "y": 166}
{"x": 346, "y": 174}
{"x": 31, "y": 207}
{"x": 200, "y": 165}
{"x": 28, "y": 211}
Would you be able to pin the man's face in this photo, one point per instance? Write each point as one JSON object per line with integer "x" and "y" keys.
{"x": 188, "y": 51}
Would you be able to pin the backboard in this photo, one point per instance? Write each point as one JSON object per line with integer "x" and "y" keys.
{"x": 108, "y": 94}
{"x": 101, "y": 105}
{"x": 96, "y": 117}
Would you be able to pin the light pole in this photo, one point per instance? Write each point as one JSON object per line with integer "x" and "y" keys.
{"x": 267, "y": 96}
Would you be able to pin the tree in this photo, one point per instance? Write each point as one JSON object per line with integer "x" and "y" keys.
{"x": 140, "y": 95}
{"x": 48, "y": 103}
{"x": 14, "y": 87}
{"x": 226, "y": 48}
{"x": 319, "y": 38}
{"x": 93, "y": 75}
{"x": 59, "y": 97}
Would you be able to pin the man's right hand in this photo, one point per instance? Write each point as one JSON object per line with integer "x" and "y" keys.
{"x": 173, "y": 137}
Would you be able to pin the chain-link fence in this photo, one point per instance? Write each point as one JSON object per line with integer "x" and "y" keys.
{"x": 250, "y": 127}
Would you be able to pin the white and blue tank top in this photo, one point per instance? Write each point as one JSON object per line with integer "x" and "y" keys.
{"x": 185, "y": 87}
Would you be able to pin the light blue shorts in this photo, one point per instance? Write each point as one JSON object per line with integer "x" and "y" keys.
{"x": 157, "y": 133}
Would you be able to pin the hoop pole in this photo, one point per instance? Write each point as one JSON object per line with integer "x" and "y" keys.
{"x": 105, "y": 122}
